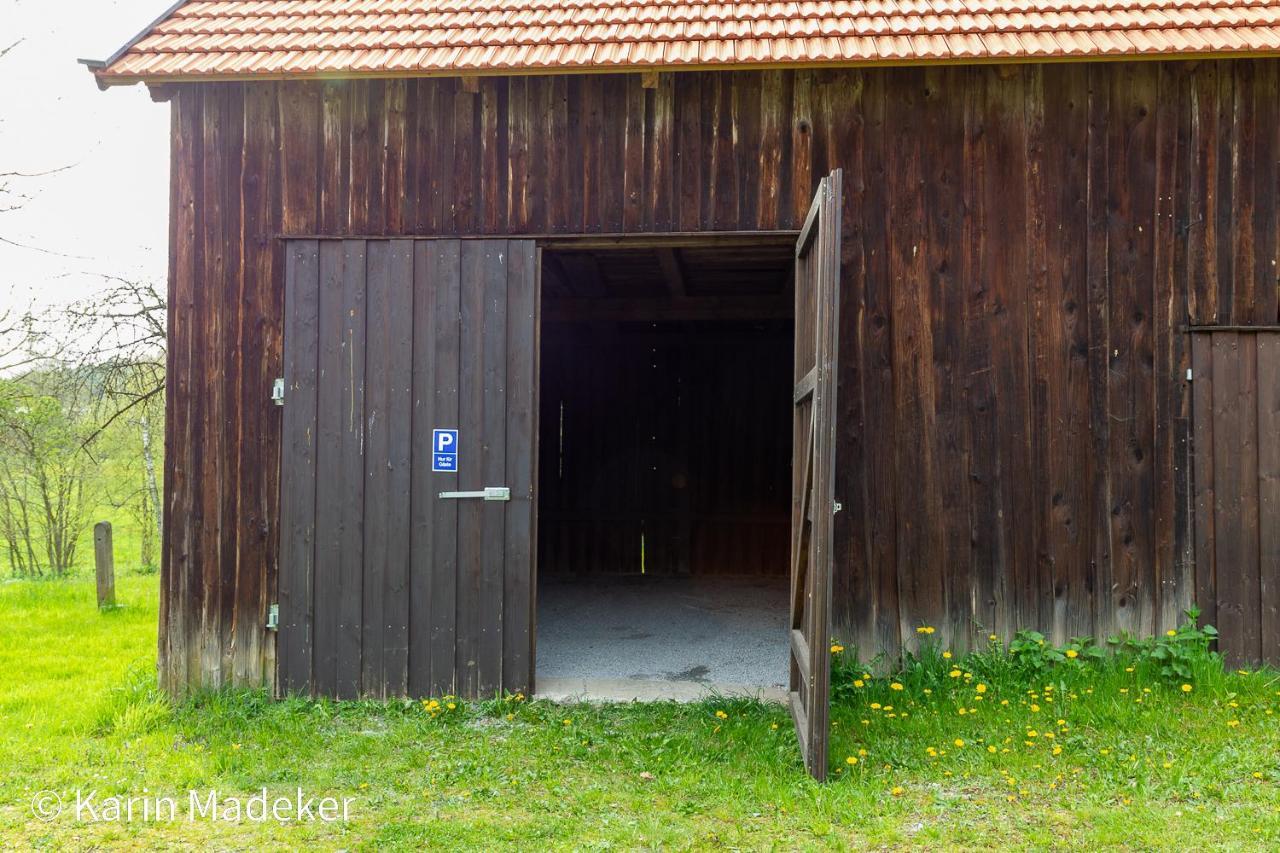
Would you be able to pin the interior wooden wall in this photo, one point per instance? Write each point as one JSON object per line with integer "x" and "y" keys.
{"x": 679, "y": 434}
{"x": 1022, "y": 245}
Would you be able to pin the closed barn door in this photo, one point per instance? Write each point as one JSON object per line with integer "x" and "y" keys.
{"x": 1236, "y": 406}
{"x": 403, "y": 358}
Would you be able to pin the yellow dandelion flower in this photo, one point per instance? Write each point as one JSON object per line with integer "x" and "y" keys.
{"x": 836, "y": 648}
{"x": 981, "y": 688}
{"x": 875, "y": 706}
{"x": 1057, "y": 750}
{"x": 958, "y": 742}
{"x": 451, "y": 706}
{"x": 1073, "y": 654}
{"x": 1171, "y": 633}
{"x": 1167, "y": 765}
{"x": 993, "y": 638}
{"x": 568, "y": 722}
{"x": 773, "y": 726}
{"x": 1035, "y": 709}
{"x": 955, "y": 673}
{"x": 722, "y": 715}
{"x": 991, "y": 749}
{"x": 895, "y": 686}
{"x": 946, "y": 655}
{"x": 851, "y": 760}
{"x": 898, "y": 791}
{"x": 859, "y": 683}
{"x": 1233, "y": 723}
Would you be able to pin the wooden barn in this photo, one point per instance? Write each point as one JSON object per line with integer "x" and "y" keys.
{"x": 837, "y": 318}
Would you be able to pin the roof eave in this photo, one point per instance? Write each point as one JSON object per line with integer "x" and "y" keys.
{"x": 106, "y": 79}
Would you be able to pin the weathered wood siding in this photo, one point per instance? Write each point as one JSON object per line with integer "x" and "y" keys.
{"x": 1021, "y": 247}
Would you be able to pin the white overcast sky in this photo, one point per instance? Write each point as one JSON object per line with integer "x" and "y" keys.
{"x": 107, "y": 212}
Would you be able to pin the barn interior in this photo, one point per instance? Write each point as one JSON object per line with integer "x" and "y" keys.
{"x": 665, "y": 468}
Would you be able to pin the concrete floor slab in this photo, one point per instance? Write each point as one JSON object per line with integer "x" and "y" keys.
{"x": 655, "y": 638}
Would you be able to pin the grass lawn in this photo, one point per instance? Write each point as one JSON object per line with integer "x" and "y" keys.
{"x": 1082, "y": 757}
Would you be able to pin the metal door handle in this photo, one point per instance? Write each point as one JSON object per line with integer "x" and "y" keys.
{"x": 491, "y": 493}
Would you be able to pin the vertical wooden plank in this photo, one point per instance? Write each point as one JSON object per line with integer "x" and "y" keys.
{"x": 519, "y": 132}
{"x": 1100, "y": 335}
{"x": 399, "y": 445}
{"x": 1266, "y": 193}
{"x": 1064, "y": 349}
{"x": 396, "y": 188}
{"x": 773, "y": 117}
{"x": 1206, "y": 591}
{"x": 210, "y": 463}
{"x": 298, "y": 473}
{"x": 1170, "y": 592}
{"x": 943, "y": 134}
{"x": 919, "y": 561}
{"x": 185, "y": 348}
{"x": 878, "y": 382}
{"x": 634, "y": 133}
{"x": 423, "y": 503}
{"x": 1228, "y": 470}
{"x": 661, "y": 164}
{"x": 241, "y": 620}
{"x": 1202, "y": 225}
{"x": 377, "y": 509}
{"x": 350, "y": 383}
{"x": 330, "y": 486}
{"x": 440, "y": 345}
{"x": 491, "y": 146}
{"x": 1268, "y": 430}
{"x": 1131, "y": 386}
{"x": 1247, "y": 449}
{"x": 491, "y": 369}
{"x": 261, "y": 328}
{"x": 335, "y": 158}
{"x": 1241, "y": 260}
{"x": 521, "y": 438}
{"x": 472, "y": 455}
{"x": 689, "y": 152}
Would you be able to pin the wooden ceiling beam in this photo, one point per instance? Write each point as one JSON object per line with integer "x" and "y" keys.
{"x": 667, "y": 310}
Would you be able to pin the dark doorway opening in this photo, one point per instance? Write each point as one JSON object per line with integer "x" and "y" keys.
{"x": 665, "y": 468}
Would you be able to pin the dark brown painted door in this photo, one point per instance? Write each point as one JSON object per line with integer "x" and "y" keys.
{"x": 388, "y": 588}
{"x": 813, "y": 462}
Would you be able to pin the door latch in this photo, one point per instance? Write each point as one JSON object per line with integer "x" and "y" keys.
{"x": 277, "y": 391}
{"x": 492, "y": 493}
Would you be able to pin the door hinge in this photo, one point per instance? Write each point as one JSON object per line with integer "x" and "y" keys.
{"x": 273, "y": 618}
{"x": 1188, "y": 374}
{"x": 836, "y": 507}
{"x": 277, "y": 391}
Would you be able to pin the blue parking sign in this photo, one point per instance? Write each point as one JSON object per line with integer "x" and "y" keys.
{"x": 444, "y": 446}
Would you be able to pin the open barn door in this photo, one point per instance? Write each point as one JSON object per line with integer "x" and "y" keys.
{"x": 407, "y": 506}
{"x": 813, "y": 461}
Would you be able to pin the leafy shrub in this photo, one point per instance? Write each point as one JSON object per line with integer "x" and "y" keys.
{"x": 1178, "y": 653}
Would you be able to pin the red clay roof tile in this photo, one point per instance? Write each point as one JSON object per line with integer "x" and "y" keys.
{"x": 272, "y": 38}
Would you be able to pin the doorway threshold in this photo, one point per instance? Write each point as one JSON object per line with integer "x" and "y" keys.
{"x": 601, "y": 691}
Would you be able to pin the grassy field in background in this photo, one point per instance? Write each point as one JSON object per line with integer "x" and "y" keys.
{"x": 1083, "y": 759}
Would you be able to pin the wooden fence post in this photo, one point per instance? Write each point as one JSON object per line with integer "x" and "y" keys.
{"x": 105, "y": 562}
